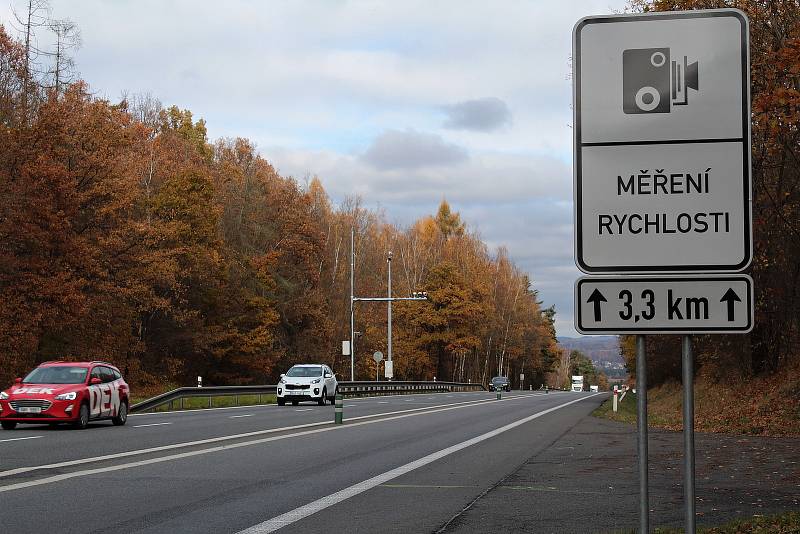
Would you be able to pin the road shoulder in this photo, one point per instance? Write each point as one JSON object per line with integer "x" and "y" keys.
{"x": 586, "y": 481}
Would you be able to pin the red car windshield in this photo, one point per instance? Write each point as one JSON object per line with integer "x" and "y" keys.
{"x": 57, "y": 375}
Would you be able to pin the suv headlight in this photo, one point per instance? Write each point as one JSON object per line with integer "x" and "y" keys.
{"x": 281, "y": 381}
{"x": 316, "y": 381}
{"x": 3, "y": 395}
{"x": 72, "y": 395}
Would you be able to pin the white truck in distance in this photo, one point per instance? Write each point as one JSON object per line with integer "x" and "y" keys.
{"x": 577, "y": 383}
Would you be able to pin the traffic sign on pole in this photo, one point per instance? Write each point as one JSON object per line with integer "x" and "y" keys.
{"x": 664, "y": 304}
{"x": 388, "y": 369}
{"x": 662, "y": 142}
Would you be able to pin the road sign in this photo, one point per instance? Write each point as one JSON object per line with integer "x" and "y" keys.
{"x": 345, "y": 348}
{"x": 662, "y": 142}
{"x": 388, "y": 369}
{"x": 664, "y": 304}
{"x": 377, "y": 356}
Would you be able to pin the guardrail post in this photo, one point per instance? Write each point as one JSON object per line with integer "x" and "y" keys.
{"x": 210, "y": 401}
{"x": 339, "y": 409}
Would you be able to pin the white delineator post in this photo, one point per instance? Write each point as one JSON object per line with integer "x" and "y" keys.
{"x": 616, "y": 396}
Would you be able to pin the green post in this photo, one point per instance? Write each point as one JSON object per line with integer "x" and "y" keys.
{"x": 498, "y": 394}
{"x": 339, "y": 410}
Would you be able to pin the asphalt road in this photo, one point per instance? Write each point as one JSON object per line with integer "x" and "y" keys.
{"x": 399, "y": 464}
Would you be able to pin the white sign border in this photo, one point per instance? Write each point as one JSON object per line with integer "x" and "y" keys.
{"x": 746, "y": 144}
{"x": 661, "y": 279}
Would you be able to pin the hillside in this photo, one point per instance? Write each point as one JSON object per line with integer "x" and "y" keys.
{"x": 602, "y": 350}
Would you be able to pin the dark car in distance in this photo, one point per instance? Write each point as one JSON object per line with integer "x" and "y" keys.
{"x": 499, "y": 383}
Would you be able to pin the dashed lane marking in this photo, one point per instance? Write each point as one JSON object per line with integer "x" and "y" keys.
{"x": 20, "y": 439}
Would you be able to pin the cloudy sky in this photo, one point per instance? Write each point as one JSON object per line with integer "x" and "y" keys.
{"x": 401, "y": 102}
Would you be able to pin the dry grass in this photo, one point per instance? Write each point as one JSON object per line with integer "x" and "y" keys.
{"x": 764, "y": 406}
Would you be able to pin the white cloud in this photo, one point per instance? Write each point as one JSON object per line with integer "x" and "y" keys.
{"x": 395, "y": 150}
{"x": 482, "y": 115}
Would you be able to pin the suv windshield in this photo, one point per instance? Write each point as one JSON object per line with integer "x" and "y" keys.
{"x": 304, "y": 371}
{"x": 56, "y": 375}
{"x": 498, "y": 379}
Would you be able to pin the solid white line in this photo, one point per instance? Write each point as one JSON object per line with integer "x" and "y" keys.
{"x": 20, "y": 439}
{"x": 238, "y": 416}
{"x": 225, "y": 447}
{"x": 151, "y": 424}
{"x": 305, "y": 410}
{"x": 271, "y": 525}
{"x": 201, "y": 410}
{"x": 217, "y": 439}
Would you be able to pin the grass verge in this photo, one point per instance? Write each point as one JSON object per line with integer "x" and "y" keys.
{"x": 196, "y": 403}
{"x": 626, "y": 410}
{"x": 762, "y": 406}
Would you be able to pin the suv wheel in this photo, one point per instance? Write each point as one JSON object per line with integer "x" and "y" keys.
{"x": 83, "y": 417}
{"x": 9, "y": 425}
{"x": 295, "y": 403}
{"x": 281, "y": 401}
{"x": 322, "y": 397}
{"x": 122, "y": 416}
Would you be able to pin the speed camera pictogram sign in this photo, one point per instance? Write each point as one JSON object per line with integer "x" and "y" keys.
{"x": 662, "y": 143}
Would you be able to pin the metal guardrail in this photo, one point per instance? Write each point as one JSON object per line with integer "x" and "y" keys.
{"x": 345, "y": 388}
{"x": 405, "y": 386}
{"x": 190, "y": 392}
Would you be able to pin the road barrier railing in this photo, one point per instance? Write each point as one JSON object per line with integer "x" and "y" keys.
{"x": 175, "y": 398}
{"x": 404, "y": 386}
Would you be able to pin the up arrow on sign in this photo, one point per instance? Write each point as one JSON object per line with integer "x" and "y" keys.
{"x": 596, "y": 297}
{"x": 730, "y": 297}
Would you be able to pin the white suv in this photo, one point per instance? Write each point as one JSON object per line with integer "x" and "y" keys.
{"x": 307, "y": 382}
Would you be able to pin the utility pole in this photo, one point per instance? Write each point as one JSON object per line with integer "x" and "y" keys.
{"x": 389, "y": 295}
{"x": 415, "y": 295}
{"x": 352, "y": 303}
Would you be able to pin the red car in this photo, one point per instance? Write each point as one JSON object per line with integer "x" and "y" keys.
{"x": 66, "y": 392}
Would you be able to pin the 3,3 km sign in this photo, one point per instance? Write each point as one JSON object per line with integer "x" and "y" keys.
{"x": 664, "y": 304}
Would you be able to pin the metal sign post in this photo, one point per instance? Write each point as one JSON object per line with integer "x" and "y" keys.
{"x": 377, "y": 356}
{"x": 641, "y": 426}
{"x": 688, "y": 432}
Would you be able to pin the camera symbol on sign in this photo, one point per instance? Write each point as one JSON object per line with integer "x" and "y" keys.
{"x": 652, "y": 83}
